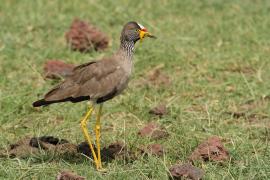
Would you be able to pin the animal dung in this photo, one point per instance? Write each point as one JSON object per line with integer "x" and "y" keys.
{"x": 84, "y": 37}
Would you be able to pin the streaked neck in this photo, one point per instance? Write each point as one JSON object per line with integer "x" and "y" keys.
{"x": 127, "y": 49}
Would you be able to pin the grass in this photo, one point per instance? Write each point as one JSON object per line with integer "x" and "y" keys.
{"x": 216, "y": 53}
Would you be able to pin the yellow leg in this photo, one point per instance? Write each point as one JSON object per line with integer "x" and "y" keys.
{"x": 97, "y": 129}
{"x": 86, "y": 135}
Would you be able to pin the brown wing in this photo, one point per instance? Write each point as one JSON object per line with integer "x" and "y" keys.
{"x": 95, "y": 80}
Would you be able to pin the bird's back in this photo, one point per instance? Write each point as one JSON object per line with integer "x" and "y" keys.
{"x": 98, "y": 81}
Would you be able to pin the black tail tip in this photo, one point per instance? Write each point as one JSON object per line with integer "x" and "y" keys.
{"x": 40, "y": 102}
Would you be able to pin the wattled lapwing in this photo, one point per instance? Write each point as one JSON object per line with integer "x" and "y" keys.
{"x": 99, "y": 81}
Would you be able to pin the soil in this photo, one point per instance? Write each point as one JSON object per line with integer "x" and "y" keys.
{"x": 68, "y": 175}
{"x": 210, "y": 150}
{"x": 154, "y": 131}
{"x": 84, "y": 37}
{"x": 159, "y": 110}
{"x": 186, "y": 171}
{"x": 57, "y": 69}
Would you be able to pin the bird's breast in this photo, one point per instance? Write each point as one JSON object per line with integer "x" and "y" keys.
{"x": 127, "y": 66}
{"x": 126, "y": 73}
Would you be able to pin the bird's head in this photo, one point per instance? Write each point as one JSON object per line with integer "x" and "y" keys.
{"x": 134, "y": 31}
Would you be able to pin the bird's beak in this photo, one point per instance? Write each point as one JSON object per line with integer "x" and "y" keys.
{"x": 144, "y": 33}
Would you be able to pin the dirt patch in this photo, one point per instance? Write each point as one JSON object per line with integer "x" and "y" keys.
{"x": 49, "y": 144}
{"x": 157, "y": 77}
{"x": 195, "y": 108}
{"x": 84, "y": 148}
{"x": 237, "y": 68}
{"x": 154, "y": 131}
{"x": 160, "y": 110}
{"x": 27, "y": 147}
{"x": 248, "y": 109}
{"x": 186, "y": 171}
{"x": 254, "y": 103}
{"x": 84, "y": 37}
{"x": 20, "y": 149}
{"x": 154, "y": 77}
{"x": 253, "y": 117}
{"x": 33, "y": 146}
{"x": 52, "y": 144}
{"x": 153, "y": 149}
{"x": 68, "y": 175}
{"x": 210, "y": 150}
{"x": 116, "y": 150}
{"x": 56, "y": 69}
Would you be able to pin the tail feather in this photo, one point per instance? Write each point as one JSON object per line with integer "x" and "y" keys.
{"x": 41, "y": 102}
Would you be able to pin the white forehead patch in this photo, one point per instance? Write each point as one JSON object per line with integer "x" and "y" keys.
{"x": 141, "y": 26}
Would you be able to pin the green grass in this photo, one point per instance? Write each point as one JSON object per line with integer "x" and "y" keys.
{"x": 199, "y": 42}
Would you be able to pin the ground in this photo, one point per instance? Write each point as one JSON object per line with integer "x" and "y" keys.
{"x": 215, "y": 53}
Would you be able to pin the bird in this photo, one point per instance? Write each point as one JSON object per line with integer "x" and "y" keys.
{"x": 99, "y": 81}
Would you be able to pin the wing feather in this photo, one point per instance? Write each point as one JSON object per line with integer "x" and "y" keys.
{"x": 94, "y": 79}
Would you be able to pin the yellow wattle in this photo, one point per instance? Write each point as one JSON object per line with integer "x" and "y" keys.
{"x": 142, "y": 34}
